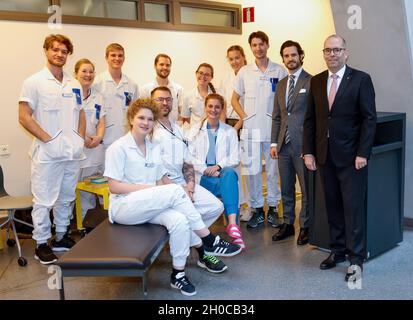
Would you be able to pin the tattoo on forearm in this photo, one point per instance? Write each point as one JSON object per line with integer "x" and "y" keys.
{"x": 188, "y": 172}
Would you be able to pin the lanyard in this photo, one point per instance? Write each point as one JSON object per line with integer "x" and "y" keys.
{"x": 172, "y": 133}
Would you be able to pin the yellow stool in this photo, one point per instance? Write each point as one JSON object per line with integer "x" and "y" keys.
{"x": 98, "y": 189}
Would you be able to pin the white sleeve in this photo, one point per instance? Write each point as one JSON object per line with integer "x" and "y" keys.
{"x": 232, "y": 158}
{"x": 239, "y": 87}
{"x": 115, "y": 162}
{"x": 186, "y": 112}
{"x": 29, "y": 94}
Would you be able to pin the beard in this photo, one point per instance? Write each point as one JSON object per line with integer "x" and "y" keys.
{"x": 56, "y": 63}
{"x": 162, "y": 75}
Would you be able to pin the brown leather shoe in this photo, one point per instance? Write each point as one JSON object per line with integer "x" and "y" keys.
{"x": 286, "y": 230}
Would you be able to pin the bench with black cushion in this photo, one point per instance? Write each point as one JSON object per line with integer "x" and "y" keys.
{"x": 114, "y": 250}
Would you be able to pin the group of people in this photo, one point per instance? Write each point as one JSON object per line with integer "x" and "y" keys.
{"x": 181, "y": 159}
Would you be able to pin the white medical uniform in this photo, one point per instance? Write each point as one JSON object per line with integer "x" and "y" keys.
{"x": 174, "y": 153}
{"x": 116, "y": 98}
{"x": 177, "y": 92}
{"x": 55, "y": 164}
{"x": 226, "y": 147}
{"x": 194, "y": 107}
{"x": 258, "y": 89}
{"x": 167, "y": 205}
{"x": 95, "y": 157}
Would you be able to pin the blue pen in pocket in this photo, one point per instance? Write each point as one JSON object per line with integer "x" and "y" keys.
{"x": 274, "y": 82}
{"x": 128, "y": 98}
{"x": 98, "y": 108}
{"x": 76, "y": 91}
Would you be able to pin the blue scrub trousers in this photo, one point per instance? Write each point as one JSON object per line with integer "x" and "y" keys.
{"x": 224, "y": 187}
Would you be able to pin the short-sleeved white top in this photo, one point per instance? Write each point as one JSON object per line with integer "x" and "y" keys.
{"x": 56, "y": 107}
{"x": 174, "y": 151}
{"x": 116, "y": 98}
{"x": 194, "y": 107}
{"x": 177, "y": 95}
{"x": 258, "y": 89}
{"x": 94, "y": 110}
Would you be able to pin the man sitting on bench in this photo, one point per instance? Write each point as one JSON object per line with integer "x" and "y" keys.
{"x": 141, "y": 192}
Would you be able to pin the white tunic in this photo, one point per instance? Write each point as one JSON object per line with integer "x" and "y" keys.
{"x": 116, "y": 98}
{"x": 194, "y": 107}
{"x": 95, "y": 110}
{"x": 125, "y": 162}
{"x": 258, "y": 89}
{"x": 56, "y": 106}
{"x": 177, "y": 95}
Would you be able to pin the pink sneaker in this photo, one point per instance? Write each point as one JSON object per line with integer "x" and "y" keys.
{"x": 234, "y": 231}
{"x": 240, "y": 242}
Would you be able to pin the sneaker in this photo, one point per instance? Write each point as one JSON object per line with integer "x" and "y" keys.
{"x": 272, "y": 217}
{"x": 257, "y": 218}
{"x": 245, "y": 214}
{"x": 181, "y": 282}
{"x": 222, "y": 248}
{"x": 44, "y": 254}
{"x": 212, "y": 264}
{"x": 63, "y": 245}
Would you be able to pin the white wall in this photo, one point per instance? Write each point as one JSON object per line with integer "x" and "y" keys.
{"x": 308, "y": 22}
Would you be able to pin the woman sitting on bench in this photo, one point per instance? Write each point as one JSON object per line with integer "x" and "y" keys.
{"x": 142, "y": 193}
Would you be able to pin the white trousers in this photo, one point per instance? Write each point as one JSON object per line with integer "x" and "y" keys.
{"x": 53, "y": 186}
{"x": 208, "y": 206}
{"x": 167, "y": 205}
{"x": 253, "y": 154}
{"x": 88, "y": 199}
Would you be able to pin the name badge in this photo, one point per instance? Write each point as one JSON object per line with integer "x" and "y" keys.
{"x": 274, "y": 82}
{"x": 128, "y": 98}
{"x": 303, "y": 91}
{"x": 149, "y": 164}
{"x": 98, "y": 108}
{"x": 76, "y": 91}
{"x": 67, "y": 94}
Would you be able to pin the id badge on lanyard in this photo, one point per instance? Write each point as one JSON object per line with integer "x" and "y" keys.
{"x": 274, "y": 82}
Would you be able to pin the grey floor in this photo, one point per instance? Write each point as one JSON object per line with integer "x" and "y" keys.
{"x": 265, "y": 271}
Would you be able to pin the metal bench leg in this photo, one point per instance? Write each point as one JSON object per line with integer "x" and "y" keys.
{"x": 62, "y": 290}
{"x": 145, "y": 286}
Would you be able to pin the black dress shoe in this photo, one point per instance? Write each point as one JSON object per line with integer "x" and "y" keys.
{"x": 302, "y": 237}
{"x": 352, "y": 271}
{"x": 331, "y": 261}
{"x": 286, "y": 230}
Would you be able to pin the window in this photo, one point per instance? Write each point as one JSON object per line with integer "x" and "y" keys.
{"x": 195, "y": 15}
{"x": 156, "y": 12}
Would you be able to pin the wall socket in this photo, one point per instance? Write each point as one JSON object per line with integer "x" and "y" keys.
{"x": 4, "y": 150}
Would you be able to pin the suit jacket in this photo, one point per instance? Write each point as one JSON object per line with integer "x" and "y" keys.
{"x": 294, "y": 122}
{"x": 348, "y": 129}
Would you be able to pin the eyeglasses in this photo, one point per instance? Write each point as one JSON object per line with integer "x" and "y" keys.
{"x": 335, "y": 51}
{"x": 207, "y": 75}
{"x": 167, "y": 100}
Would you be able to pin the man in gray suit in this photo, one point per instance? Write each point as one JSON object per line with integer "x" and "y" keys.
{"x": 290, "y": 105}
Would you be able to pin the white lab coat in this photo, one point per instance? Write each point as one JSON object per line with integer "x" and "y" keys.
{"x": 226, "y": 147}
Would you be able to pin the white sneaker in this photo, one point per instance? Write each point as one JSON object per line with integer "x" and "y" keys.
{"x": 245, "y": 214}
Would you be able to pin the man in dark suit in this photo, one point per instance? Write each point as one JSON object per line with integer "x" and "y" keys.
{"x": 339, "y": 129}
{"x": 290, "y": 105}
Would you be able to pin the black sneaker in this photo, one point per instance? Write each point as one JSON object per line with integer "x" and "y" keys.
{"x": 222, "y": 248}
{"x": 63, "y": 245}
{"x": 44, "y": 254}
{"x": 272, "y": 217}
{"x": 181, "y": 282}
{"x": 257, "y": 218}
{"x": 212, "y": 264}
